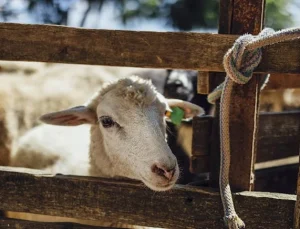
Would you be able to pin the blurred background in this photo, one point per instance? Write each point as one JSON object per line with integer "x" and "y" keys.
{"x": 155, "y": 15}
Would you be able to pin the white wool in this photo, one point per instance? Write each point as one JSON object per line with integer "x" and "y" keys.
{"x": 40, "y": 148}
{"x": 30, "y": 89}
{"x": 59, "y": 149}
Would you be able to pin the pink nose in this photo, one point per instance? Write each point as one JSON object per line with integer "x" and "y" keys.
{"x": 163, "y": 171}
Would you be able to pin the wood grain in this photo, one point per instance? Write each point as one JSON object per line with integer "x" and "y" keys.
{"x": 276, "y": 81}
{"x": 201, "y": 144}
{"x": 283, "y": 81}
{"x": 179, "y": 50}
{"x": 203, "y": 83}
{"x": 98, "y": 199}
{"x": 278, "y": 137}
{"x": 5, "y": 138}
{"x": 24, "y": 224}
{"x": 247, "y": 18}
{"x": 297, "y": 205}
{"x": 239, "y": 17}
{"x": 278, "y": 178}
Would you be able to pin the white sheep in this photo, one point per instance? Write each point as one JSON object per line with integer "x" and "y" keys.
{"x": 125, "y": 136}
{"x": 28, "y": 90}
{"x": 129, "y": 111}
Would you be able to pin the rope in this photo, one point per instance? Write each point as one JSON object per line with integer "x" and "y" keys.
{"x": 239, "y": 63}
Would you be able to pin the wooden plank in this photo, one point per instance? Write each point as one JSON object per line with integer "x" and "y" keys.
{"x": 5, "y": 138}
{"x": 287, "y": 161}
{"x": 201, "y": 142}
{"x": 278, "y": 178}
{"x": 283, "y": 81}
{"x": 201, "y": 135}
{"x": 247, "y": 17}
{"x": 297, "y": 205}
{"x": 203, "y": 83}
{"x": 49, "y": 43}
{"x": 276, "y": 81}
{"x": 132, "y": 203}
{"x": 24, "y": 224}
{"x": 278, "y": 137}
{"x": 239, "y": 17}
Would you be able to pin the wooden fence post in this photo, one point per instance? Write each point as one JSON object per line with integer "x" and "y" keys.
{"x": 239, "y": 17}
{"x": 297, "y": 205}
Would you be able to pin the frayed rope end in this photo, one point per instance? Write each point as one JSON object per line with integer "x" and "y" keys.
{"x": 234, "y": 222}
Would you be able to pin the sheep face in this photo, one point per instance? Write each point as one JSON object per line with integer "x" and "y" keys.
{"x": 131, "y": 119}
{"x": 134, "y": 139}
{"x": 179, "y": 84}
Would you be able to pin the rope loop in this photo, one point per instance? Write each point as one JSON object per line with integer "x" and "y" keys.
{"x": 240, "y": 62}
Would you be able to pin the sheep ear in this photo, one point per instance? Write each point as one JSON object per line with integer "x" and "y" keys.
{"x": 71, "y": 117}
{"x": 190, "y": 110}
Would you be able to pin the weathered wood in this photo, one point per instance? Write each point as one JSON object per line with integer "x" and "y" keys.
{"x": 203, "y": 83}
{"x": 5, "y": 138}
{"x": 239, "y": 17}
{"x": 247, "y": 17}
{"x": 297, "y": 205}
{"x": 286, "y": 161}
{"x": 283, "y": 81}
{"x": 201, "y": 135}
{"x": 201, "y": 141}
{"x": 278, "y": 137}
{"x": 203, "y": 52}
{"x": 98, "y": 199}
{"x": 278, "y": 178}
{"x": 276, "y": 81}
{"x": 24, "y": 224}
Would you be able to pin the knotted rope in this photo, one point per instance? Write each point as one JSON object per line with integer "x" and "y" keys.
{"x": 239, "y": 63}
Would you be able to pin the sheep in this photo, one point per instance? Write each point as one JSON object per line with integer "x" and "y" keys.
{"x": 46, "y": 89}
{"x": 129, "y": 111}
{"x": 28, "y": 90}
{"x": 182, "y": 84}
{"x": 55, "y": 86}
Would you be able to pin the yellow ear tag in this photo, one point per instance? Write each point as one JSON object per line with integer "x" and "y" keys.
{"x": 176, "y": 115}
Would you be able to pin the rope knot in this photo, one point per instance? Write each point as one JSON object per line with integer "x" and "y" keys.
{"x": 241, "y": 60}
{"x": 240, "y": 63}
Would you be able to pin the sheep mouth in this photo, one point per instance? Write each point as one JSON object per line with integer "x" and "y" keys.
{"x": 158, "y": 186}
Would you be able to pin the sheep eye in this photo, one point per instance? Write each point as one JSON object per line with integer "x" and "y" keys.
{"x": 106, "y": 121}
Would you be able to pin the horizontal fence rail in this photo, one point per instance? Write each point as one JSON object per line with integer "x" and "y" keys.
{"x": 278, "y": 137}
{"x": 198, "y": 51}
{"x": 99, "y": 199}
{"x": 24, "y": 224}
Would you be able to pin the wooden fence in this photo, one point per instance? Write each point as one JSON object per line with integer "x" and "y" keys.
{"x": 23, "y": 190}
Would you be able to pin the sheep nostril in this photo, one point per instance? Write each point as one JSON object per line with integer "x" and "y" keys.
{"x": 163, "y": 171}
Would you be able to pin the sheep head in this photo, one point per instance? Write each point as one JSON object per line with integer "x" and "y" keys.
{"x": 130, "y": 115}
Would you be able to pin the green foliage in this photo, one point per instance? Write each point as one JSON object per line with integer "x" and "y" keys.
{"x": 277, "y": 15}
{"x": 181, "y": 14}
{"x": 195, "y": 14}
